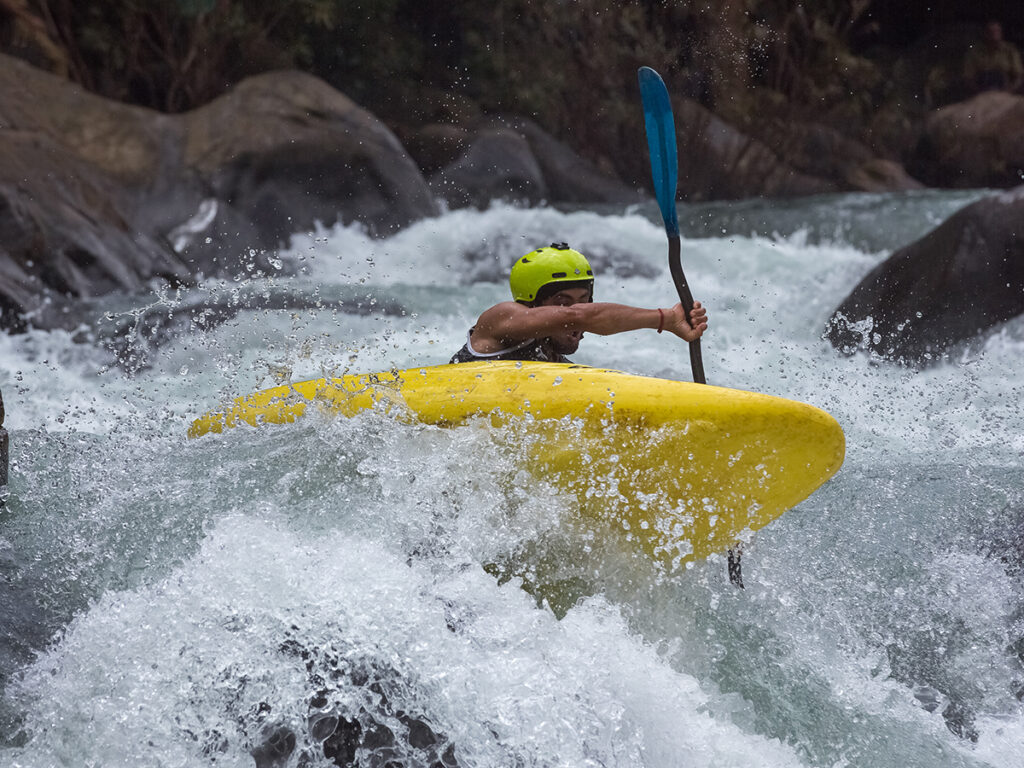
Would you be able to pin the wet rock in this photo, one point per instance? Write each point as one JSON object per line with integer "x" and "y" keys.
{"x": 497, "y": 165}
{"x": 973, "y": 143}
{"x": 777, "y": 159}
{"x": 880, "y": 175}
{"x": 212, "y": 240}
{"x": 960, "y": 280}
{"x": 718, "y": 161}
{"x": 65, "y": 233}
{"x": 511, "y": 158}
{"x": 287, "y": 150}
{"x": 437, "y": 145}
{"x": 356, "y": 715}
{"x": 97, "y": 196}
{"x": 570, "y": 178}
{"x": 823, "y": 152}
{"x": 814, "y": 149}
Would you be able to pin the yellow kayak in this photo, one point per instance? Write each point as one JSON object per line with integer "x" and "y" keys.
{"x": 688, "y": 469}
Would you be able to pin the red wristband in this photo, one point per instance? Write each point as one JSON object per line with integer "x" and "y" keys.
{"x": 661, "y": 320}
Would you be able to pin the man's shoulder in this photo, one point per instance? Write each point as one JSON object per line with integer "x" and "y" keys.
{"x": 503, "y": 308}
{"x": 501, "y": 314}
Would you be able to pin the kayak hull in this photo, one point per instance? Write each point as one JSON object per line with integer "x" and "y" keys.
{"x": 686, "y": 469}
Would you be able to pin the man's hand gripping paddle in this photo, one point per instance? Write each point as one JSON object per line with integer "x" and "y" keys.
{"x": 661, "y": 143}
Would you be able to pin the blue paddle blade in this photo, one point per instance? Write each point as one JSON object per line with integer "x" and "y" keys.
{"x": 661, "y": 142}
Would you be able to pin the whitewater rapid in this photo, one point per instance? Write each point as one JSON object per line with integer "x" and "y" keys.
{"x": 173, "y": 602}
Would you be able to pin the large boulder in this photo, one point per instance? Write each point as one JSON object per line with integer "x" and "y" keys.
{"x": 66, "y": 231}
{"x": 97, "y": 196}
{"x": 958, "y": 281}
{"x": 511, "y": 158}
{"x": 497, "y": 164}
{"x": 823, "y": 152}
{"x": 719, "y": 161}
{"x": 878, "y": 174}
{"x": 570, "y": 178}
{"x": 286, "y": 150}
{"x": 974, "y": 143}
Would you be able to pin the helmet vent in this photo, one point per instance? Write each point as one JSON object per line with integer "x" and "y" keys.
{"x": 560, "y": 246}
{"x": 559, "y": 274}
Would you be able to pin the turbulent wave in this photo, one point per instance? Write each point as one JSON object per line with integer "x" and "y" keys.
{"x": 362, "y": 591}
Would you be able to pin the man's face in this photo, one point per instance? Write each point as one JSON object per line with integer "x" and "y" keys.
{"x": 994, "y": 32}
{"x": 567, "y": 342}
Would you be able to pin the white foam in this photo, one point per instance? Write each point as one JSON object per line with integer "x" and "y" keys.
{"x": 197, "y": 652}
{"x": 373, "y": 526}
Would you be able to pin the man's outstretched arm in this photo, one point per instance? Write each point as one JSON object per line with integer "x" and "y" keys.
{"x": 513, "y": 322}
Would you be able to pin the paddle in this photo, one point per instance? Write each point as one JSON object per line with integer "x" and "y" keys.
{"x": 661, "y": 143}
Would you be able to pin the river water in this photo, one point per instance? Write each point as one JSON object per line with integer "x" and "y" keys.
{"x": 168, "y": 602}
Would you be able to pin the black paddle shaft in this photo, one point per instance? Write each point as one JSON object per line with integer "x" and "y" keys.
{"x": 675, "y": 266}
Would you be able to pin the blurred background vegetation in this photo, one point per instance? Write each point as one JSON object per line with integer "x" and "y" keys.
{"x": 858, "y": 66}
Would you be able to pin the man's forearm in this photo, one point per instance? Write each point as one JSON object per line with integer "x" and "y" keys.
{"x": 606, "y": 318}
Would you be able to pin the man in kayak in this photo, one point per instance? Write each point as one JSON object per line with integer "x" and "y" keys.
{"x": 553, "y": 305}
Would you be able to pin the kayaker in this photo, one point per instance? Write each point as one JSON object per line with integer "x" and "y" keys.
{"x": 553, "y": 305}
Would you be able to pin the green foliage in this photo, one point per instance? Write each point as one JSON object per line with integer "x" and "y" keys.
{"x": 569, "y": 64}
{"x": 193, "y": 8}
{"x": 177, "y": 55}
{"x": 803, "y": 52}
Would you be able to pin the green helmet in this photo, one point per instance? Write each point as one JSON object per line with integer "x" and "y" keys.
{"x": 557, "y": 263}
